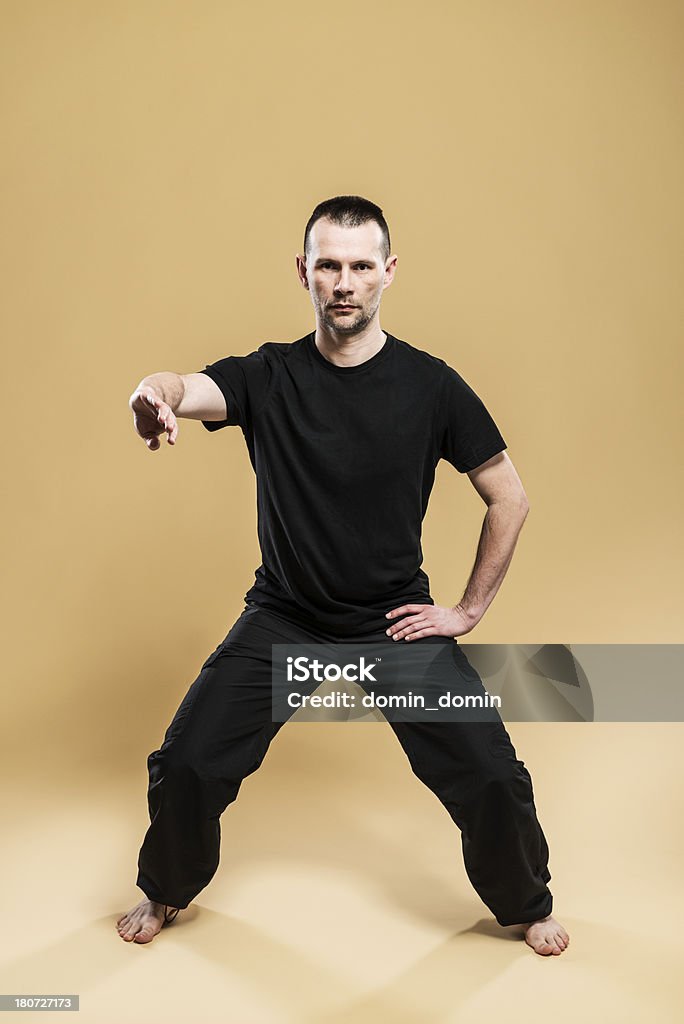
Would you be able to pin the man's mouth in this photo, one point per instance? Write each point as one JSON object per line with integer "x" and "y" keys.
{"x": 344, "y": 307}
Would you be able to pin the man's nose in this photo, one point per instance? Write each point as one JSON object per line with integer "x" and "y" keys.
{"x": 343, "y": 284}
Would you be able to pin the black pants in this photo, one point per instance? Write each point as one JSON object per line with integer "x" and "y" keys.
{"x": 221, "y": 733}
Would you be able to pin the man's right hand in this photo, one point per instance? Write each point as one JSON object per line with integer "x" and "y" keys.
{"x": 152, "y": 417}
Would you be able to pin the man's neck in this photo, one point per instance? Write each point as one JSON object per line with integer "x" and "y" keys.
{"x": 348, "y": 351}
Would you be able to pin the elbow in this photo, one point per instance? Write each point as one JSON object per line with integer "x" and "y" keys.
{"x": 518, "y": 505}
{"x": 515, "y": 507}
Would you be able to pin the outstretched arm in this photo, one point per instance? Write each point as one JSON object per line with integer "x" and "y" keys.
{"x": 162, "y": 398}
{"x": 499, "y": 486}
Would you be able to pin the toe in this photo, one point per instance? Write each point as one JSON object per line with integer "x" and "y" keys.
{"x": 541, "y": 946}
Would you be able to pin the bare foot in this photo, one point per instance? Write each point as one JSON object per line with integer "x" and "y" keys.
{"x": 142, "y": 923}
{"x": 546, "y": 936}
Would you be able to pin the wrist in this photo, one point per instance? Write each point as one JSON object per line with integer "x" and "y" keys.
{"x": 471, "y": 615}
{"x": 169, "y": 388}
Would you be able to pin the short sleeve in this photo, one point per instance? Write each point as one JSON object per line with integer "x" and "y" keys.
{"x": 468, "y": 434}
{"x": 243, "y": 381}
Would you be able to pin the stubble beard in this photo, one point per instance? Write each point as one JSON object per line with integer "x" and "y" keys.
{"x": 349, "y": 324}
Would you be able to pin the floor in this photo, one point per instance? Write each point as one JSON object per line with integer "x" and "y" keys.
{"x": 341, "y": 894}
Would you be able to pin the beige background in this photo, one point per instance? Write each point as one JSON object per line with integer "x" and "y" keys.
{"x": 160, "y": 161}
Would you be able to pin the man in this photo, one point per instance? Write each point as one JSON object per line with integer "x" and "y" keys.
{"x": 344, "y": 428}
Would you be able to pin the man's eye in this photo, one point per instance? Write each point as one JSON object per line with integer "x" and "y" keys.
{"x": 360, "y": 266}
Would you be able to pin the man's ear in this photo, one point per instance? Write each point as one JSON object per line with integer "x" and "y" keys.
{"x": 390, "y": 269}
{"x": 301, "y": 270}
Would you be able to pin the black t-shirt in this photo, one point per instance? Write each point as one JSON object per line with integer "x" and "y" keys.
{"x": 345, "y": 459}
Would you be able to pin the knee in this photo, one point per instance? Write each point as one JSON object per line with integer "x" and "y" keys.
{"x": 174, "y": 762}
{"x": 182, "y": 764}
{"x": 504, "y": 781}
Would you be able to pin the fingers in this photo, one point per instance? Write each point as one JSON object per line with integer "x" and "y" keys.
{"x": 428, "y": 631}
{"x": 165, "y": 417}
{"x": 405, "y": 609}
{"x": 408, "y": 625}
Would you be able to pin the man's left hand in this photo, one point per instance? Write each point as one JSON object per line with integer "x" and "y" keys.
{"x": 428, "y": 620}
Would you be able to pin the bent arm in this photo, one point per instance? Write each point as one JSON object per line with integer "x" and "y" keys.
{"x": 499, "y": 486}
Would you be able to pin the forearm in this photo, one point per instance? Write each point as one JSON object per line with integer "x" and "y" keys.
{"x": 500, "y": 529}
{"x": 169, "y": 386}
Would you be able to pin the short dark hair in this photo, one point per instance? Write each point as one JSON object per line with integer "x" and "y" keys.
{"x": 349, "y": 212}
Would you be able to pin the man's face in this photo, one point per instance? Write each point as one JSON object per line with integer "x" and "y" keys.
{"x": 345, "y": 268}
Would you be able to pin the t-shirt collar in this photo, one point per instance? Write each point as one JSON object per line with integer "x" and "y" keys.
{"x": 365, "y": 365}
